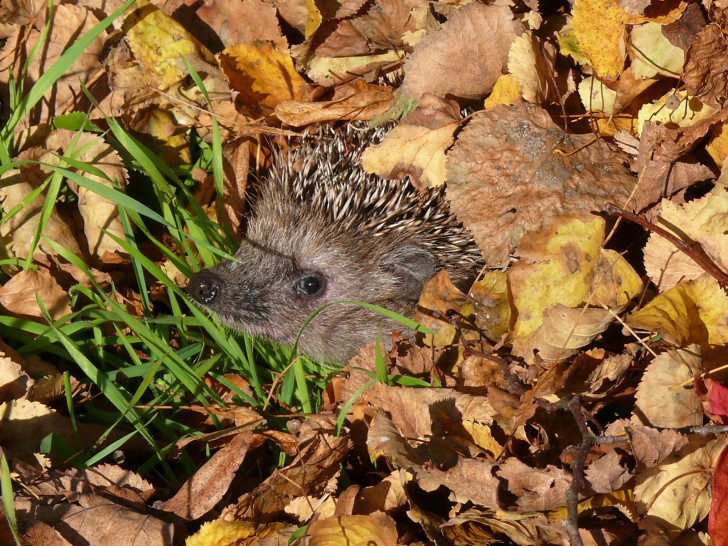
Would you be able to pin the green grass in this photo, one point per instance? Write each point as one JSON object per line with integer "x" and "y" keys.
{"x": 143, "y": 365}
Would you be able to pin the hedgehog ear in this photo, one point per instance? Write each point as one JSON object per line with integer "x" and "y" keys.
{"x": 413, "y": 266}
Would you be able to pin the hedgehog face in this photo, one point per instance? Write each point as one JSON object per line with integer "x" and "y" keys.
{"x": 278, "y": 283}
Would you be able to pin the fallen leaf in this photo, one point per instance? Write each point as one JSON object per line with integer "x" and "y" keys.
{"x": 18, "y": 295}
{"x": 263, "y": 75}
{"x": 718, "y": 519}
{"x": 243, "y": 21}
{"x": 690, "y": 312}
{"x": 704, "y": 75}
{"x": 661, "y": 400}
{"x": 678, "y": 491}
{"x": 210, "y": 483}
{"x": 70, "y": 22}
{"x": 413, "y": 150}
{"x": 654, "y": 52}
{"x": 466, "y": 57}
{"x": 511, "y": 170}
{"x": 651, "y": 446}
{"x": 599, "y": 26}
{"x": 703, "y": 221}
{"x": 359, "y": 102}
{"x": 562, "y": 269}
{"x": 315, "y": 469}
{"x": 159, "y": 43}
{"x": 374, "y": 530}
{"x": 531, "y": 63}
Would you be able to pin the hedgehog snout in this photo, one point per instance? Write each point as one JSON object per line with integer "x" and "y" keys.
{"x": 205, "y": 286}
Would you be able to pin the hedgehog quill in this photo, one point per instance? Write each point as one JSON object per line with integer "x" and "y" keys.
{"x": 323, "y": 230}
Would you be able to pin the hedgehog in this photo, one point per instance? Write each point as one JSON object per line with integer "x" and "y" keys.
{"x": 322, "y": 230}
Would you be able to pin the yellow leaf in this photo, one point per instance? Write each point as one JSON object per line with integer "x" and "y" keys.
{"x": 597, "y": 97}
{"x": 491, "y": 296}
{"x": 564, "y": 268}
{"x": 159, "y": 43}
{"x": 678, "y": 492}
{"x": 222, "y": 533}
{"x": 654, "y": 50}
{"x": 375, "y": 530}
{"x": 599, "y": 26}
{"x": 505, "y": 91}
{"x": 314, "y": 18}
{"x": 718, "y": 145}
{"x": 691, "y": 312}
{"x": 686, "y": 111}
{"x": 413, "y": 149}
{"x": 530, "y": 62}
{"x": 263, "y": 75}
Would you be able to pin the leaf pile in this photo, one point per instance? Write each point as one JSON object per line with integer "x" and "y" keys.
{"x": 576, "y": 395}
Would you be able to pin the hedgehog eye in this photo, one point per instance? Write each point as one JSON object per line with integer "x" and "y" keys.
{"x": 310, "y": 285}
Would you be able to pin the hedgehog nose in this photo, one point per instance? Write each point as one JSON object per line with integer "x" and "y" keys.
{"x": 204, "y": 286}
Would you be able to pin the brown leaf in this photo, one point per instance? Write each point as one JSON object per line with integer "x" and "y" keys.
{"x": 14, "y": 382}
{"x": 100, "y": 215}
{"x": 651, "y": 446}
{"x": 436, "y": 414}
{"x": 607, "y": 473}
{"x": 112, "y": 480}
{"x": 313, "y": 471}
{"x": 98, "y": 520}
{"x": 474, "y": 526}
{"x": 19, "y": 230}
{"x": 705, "y": 74}
{"x": 517, "y": 165}
{"x": 664, "y": 167}
{"x": 203, "y": 491}
{"x": 379, "y": 29}
{"x": 243, "y": 21}
{"x": 18, "y": 295}
{"x": 536, "y": 489}
{"x": 466, "y": 57}
{"x": 360, "y": 101}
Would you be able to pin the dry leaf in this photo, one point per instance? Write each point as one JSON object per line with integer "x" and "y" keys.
{"x": 691, "y": 312}
{"x": 243, "y": 21}
{"x": 599, "y": 26}
{"x": 210, "y": 483}
{"x": 562, "y": 269}
{"x": 678, "y": 491}
{"x": 512, "y": 169}
{"x": 466, "y": 57}
{"x": 703, "y": 221}
{"x": 263, "y": 75}
{"x": 18, "y": 295}
{"x": 374, "y": 530}
{"x": 660, "y": 402}
{"x": 70, "y": 22}
{"x": 414, "y": 150}
{"x": 19, "y": 230}
{"x": 531, "y": 63}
